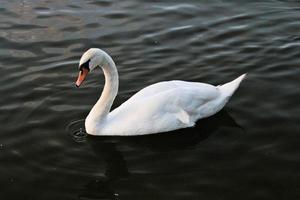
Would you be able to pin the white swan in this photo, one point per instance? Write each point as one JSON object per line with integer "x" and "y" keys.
{"x": 161, "y": 107}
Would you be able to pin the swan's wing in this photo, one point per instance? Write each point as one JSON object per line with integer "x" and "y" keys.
{"x": 166, "y": 110}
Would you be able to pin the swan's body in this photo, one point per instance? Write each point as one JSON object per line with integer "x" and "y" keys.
{"x": 161, "y": 107}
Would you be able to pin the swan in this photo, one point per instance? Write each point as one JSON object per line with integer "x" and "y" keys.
{"x": 160, "y": 107}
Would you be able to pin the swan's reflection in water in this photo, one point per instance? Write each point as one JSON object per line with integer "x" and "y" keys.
{"x": 107, "y": 149}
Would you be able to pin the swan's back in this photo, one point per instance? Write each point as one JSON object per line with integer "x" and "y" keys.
{"x": 165, "y": 86}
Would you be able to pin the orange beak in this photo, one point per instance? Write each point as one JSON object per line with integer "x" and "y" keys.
{"x": 81, "y": 76}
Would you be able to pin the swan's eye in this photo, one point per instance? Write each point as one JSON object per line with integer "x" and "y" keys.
{"x": 85, "y": 65}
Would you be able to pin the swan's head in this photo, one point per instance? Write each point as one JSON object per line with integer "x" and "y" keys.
{"x": 89, "y": 60}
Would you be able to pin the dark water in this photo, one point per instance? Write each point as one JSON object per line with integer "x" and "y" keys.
{"x": 250, "y": 150}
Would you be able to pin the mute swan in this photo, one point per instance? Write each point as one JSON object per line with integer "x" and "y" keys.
{"x": 161, "y": 107}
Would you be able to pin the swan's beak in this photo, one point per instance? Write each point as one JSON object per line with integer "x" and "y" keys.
{"x": 81, "y": 76}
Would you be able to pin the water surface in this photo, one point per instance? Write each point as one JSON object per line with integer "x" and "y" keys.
{"x": 250, "y": 150}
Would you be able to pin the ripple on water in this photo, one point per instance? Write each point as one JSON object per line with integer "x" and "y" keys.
{"x": 77, "y": 130}
{"x": 253, "y": 140}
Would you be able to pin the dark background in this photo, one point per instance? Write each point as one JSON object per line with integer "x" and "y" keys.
{"x": 250, "y": 150}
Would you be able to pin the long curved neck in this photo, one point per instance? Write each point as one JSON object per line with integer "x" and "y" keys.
{"x": 110, "y": 91}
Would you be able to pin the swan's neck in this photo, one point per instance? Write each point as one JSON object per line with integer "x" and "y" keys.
{"x": 101, "y": 109}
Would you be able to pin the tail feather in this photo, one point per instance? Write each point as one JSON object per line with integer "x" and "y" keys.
{"x": 229, "y": 88}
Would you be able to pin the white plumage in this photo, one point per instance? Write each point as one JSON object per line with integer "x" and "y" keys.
{"x": 161, "y": 107}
